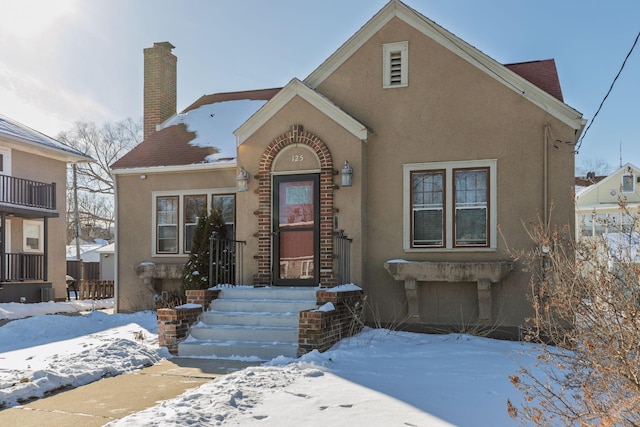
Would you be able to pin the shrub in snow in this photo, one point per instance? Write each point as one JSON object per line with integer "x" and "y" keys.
{"x": 195, "y": 274}
{"x": 586, "y": 310}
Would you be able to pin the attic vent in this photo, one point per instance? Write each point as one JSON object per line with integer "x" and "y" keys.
{"x": 396, "y": 69}
{"x": 395, "y": 64}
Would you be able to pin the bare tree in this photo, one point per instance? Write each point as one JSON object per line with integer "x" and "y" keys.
{"x": 94, "y": 181}
{"x": 598, "y": 166}
{"x": 586, "y": 300}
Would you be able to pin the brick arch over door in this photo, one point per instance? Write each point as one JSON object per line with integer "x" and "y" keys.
{"x": 296, "y": 135}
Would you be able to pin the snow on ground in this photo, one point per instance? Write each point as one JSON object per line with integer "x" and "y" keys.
{"x": 377, "y": 378}
{"x": 44, "y": 353}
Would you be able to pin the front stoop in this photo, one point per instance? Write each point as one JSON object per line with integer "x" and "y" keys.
{"x": 261, "y": 323}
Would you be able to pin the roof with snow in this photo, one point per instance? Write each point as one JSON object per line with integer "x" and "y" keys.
{"x": 18, "y": 132}
{"x": 202, "y": 133}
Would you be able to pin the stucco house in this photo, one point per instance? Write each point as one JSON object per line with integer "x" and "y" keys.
{"x": 424, "y": 151}
{"x": 33, "y": 177}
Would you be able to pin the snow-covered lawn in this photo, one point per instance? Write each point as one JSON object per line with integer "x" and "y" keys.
{"x": 377, "y": 378}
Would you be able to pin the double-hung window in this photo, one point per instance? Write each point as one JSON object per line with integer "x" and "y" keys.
{"x": 450, "y": 205}
{"x": 167, "y": 220}
{"x": 194, "y": 207}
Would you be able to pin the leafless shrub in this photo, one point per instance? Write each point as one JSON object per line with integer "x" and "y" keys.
{"x": 586, "y": 301}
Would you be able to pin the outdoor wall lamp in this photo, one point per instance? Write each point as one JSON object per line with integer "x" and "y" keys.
{"x": 242, "y": 180}
{"x": 346, "y": 175}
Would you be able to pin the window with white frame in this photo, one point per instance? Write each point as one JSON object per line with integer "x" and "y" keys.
{"x": 395, "y": 64}
{"x": 194, "y": 207}
{"x": 226, "y": 204}
{"x": 449, "y": 205}
{"x": 167, "y": 212}
{"x": 33, "y": 236}
{"x": 628, "y": 183}
{"x": 176, "y": 217}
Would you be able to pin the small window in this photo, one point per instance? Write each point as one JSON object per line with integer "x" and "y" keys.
{"x": 226, "y": 203}
{"x": 471, "y": 206}
{"x": 395, "y": 64}
{"x": 628, "y": 183}
{"x": 33, "y": 236}
{"x": 194, "y": 208}
{"x": 167, "y": 220}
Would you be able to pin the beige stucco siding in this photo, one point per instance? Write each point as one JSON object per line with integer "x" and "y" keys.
{"x": 343, "y": 146}
{"x": 134, "y": 241}
{"x": 43, "y": 169}
{"x": 450, "y": 111}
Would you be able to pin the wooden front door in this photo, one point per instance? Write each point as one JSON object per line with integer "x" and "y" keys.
{"x": 296, "y": 222}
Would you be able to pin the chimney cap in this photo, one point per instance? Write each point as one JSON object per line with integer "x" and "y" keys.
{"x": 165, "y": 45}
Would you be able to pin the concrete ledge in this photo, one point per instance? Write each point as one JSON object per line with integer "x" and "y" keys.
{"x": 482, "y": 273}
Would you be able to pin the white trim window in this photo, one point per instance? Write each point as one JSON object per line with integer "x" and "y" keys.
{"x": 33, "y": 236}
{"x": 628, "y": 184}
{"x": 395, "y": 63}
{"x": 176, "y": 214}
{"x": 167, "y": 209}
{"x": 195, "y": 206}
{"x": 450, "y": 205}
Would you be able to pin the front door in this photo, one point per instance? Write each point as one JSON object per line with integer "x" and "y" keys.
{"x": 296, "y": 221}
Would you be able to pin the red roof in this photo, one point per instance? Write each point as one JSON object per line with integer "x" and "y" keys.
{"x": 170, "y": 146}
{"x": 541, "y": 73}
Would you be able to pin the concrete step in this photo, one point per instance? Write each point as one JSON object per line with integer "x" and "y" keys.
{"x": 261, "y": 305}
{"x": 250, "y": 319}
{"x": 250, "y": 322}
{"x": 277, "y": 293}
{"x": 232, "y": 349}
{"x": 203, "y": 331}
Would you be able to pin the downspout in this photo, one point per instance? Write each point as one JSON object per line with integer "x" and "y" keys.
{"x": 115, "y": 245}
{"x": 76, "y": 216}
{"x": 46, "y": 248}
{"x": 545, "y": 172}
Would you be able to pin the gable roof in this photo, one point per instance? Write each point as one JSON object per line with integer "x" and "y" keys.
{"x": 628, "y": 167}
{"x": 34, "y": 141}
{"x": 296, "y": 88}
{"x": 200, "y": 134}
{"x": 510, "y": 78}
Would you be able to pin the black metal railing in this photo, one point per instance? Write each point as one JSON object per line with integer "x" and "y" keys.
{"x": 342, "y": 247}
{"x": 21, "y": 267}
{"x": 225, "y": 260}
{"x": 24, "y": 192}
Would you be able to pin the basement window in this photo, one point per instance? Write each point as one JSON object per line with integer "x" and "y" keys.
{"x": 395, "y": 64}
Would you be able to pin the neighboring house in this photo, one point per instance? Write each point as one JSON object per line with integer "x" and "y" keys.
{"x": 609, "y": 205}
{"x": 107, "y": 261}
{"x": 88, "y": 252}
{"x": 444, "y": 151}
{"x": 33, "y": 176}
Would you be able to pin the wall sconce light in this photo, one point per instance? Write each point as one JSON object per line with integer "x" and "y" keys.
{"x": 242, "y": 180}
{"x": 143, "y": 176}
{"x": 346, "y": 175}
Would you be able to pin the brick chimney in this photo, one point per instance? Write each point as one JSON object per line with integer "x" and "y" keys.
{"x": 159, "y": 85}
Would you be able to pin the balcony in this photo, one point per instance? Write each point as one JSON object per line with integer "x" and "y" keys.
{"x": 23, "y": 267}
{"x": 25, "y": 197}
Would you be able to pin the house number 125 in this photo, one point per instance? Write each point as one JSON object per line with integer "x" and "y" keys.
{"x": 297, "y": 158}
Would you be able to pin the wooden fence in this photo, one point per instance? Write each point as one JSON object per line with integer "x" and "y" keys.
{"x": 95, "y": 289}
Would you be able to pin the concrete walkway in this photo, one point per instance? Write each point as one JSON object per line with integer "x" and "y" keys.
{"x": 113, "y": 398}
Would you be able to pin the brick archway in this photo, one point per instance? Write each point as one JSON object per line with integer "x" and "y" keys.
{"x": 296, "y": 135}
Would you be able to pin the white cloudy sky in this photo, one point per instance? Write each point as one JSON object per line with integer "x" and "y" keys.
{"x": 69, "y": 60}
